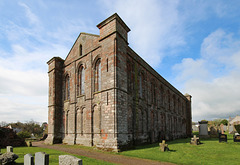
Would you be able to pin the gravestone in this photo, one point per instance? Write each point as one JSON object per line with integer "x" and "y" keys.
{"x": 9, "y": 149}
{"x": 213, "y": 132}
{"x": 29, "y": 143}
{"x": 41, "y": 158}
{"x": 222, "y": 137}
{"x": 163, "y": 146}
{"x": 8, "y": 158}
{"x": 69, "y": 160}
{"x": 236, "y": 138}
{"x": 28, "y": 159}
{"x": 195, "y": 140}
{"x": 203, "y": 129}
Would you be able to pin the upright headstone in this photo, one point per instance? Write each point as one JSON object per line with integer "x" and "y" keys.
{"x": 213, "y": 132}
{"x": 41, "y": 158}
{"x": 163, "y": 146}
{"x": 195, "y": 140}
{"x": 68, "y": 159}
{"x": 28, "y": 159}
{"x": 29, "y": 143}
{"x": 9, "y": 149}
{"x": 222, "y": 137}
{"x": 203, "y": 129}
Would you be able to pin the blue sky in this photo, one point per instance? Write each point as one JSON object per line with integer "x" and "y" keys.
{"x": 195, "y": 45}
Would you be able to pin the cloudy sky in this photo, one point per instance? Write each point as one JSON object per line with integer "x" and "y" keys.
{"x": 194, "y": 44}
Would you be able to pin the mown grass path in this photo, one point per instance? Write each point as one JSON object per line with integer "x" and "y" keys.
{"x": 113, "y": 158}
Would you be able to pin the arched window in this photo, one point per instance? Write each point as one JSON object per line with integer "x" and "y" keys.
{"x": 67, "y": 88}
{"x": 140, "y": 85}
{"x": 98, "y": 75}
{"x": 161, "y": 95}
{"x": 174, "y": 103}
{"x": 168, "y": 100}
{"x": 80, "y": 50}
{"x": 129, "y": 77}
{"x": 81, "y": 80}
{"x": 153, "y": 93}
{"x": 67, "y": 122}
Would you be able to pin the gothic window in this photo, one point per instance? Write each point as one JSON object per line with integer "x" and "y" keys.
{"x": 96, "y": 120}
{"x": 80, "y": 50}
{"x": 144, "y": 121}
{"x": 129, "y": 86}
{"x": 141, "y": 85}
{"x": 161, "y": 95}
{"x": 67, "y": 115}
{"x": 81, "y": 80}
{"x": 85, "y": 119}
{"x": 98, "y": 75}
{"x": 183, "y": 111}
{"x": 78, "y": 121}
{"x": 130, "y": 121}
{"x": 178, "y": 104}
{"x": 168, "y": 100}
{"x": 67, "y": 88}
{"x": 174, "y": 103}
{"x": 153, "y": 93}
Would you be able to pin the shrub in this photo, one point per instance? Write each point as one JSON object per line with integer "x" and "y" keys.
{"x": 24, "y": 134}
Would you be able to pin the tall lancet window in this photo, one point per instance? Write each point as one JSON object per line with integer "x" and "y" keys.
{"x": 67, "y": 88}
{"x": 140, "y": 85}
{"x": 98, "y": 75}
{"x": 81, "y": 80}
{"x": 80, "y": 50}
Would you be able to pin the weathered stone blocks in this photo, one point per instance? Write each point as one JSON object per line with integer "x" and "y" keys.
{"x": 125, "y": 102}
{"x": 69, "y": 160}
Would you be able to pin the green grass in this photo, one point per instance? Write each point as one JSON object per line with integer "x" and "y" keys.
{"x": 53, "y": 155}
{"x": 211, "y": 152}
{"x": 181, "y": 152}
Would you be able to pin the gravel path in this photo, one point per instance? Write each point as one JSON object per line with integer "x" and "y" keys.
{"x": 118, "y": 159}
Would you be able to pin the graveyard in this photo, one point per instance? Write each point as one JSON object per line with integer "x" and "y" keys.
{"x": 209, "y": 151}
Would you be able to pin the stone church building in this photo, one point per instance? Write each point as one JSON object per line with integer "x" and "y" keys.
{"x": 105, "y": 95}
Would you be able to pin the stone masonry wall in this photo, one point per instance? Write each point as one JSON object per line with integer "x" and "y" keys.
{"x": 103, "y": 94}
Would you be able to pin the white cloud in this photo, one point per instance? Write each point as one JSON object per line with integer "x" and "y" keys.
{"x": 23, "y": 108}
{"x": 33, "y": 19}
{"x": 213, "y": 80}
{"x": 156, "y": 25}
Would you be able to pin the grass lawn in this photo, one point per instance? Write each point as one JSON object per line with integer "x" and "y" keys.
{"x": 181, "y": 152}
{"x": 53, "y": 155}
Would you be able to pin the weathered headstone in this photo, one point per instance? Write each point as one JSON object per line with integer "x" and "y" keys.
{"x": 203, "y": 129}
{"x": 236, "y": 138}
{"x": 28, "y": 159}
{"x": 41, "y": 158}
{"x": 222, "y": 137}
{"x": 163, "y": 146}
{"x": 213, "y": 132}
{"x": 195, "y": 140}
{"x": 8, "y": 157}
{"x": 68, "y": 159}
{"x": 29, "y": 143}
{"x": 9, "y": 149}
